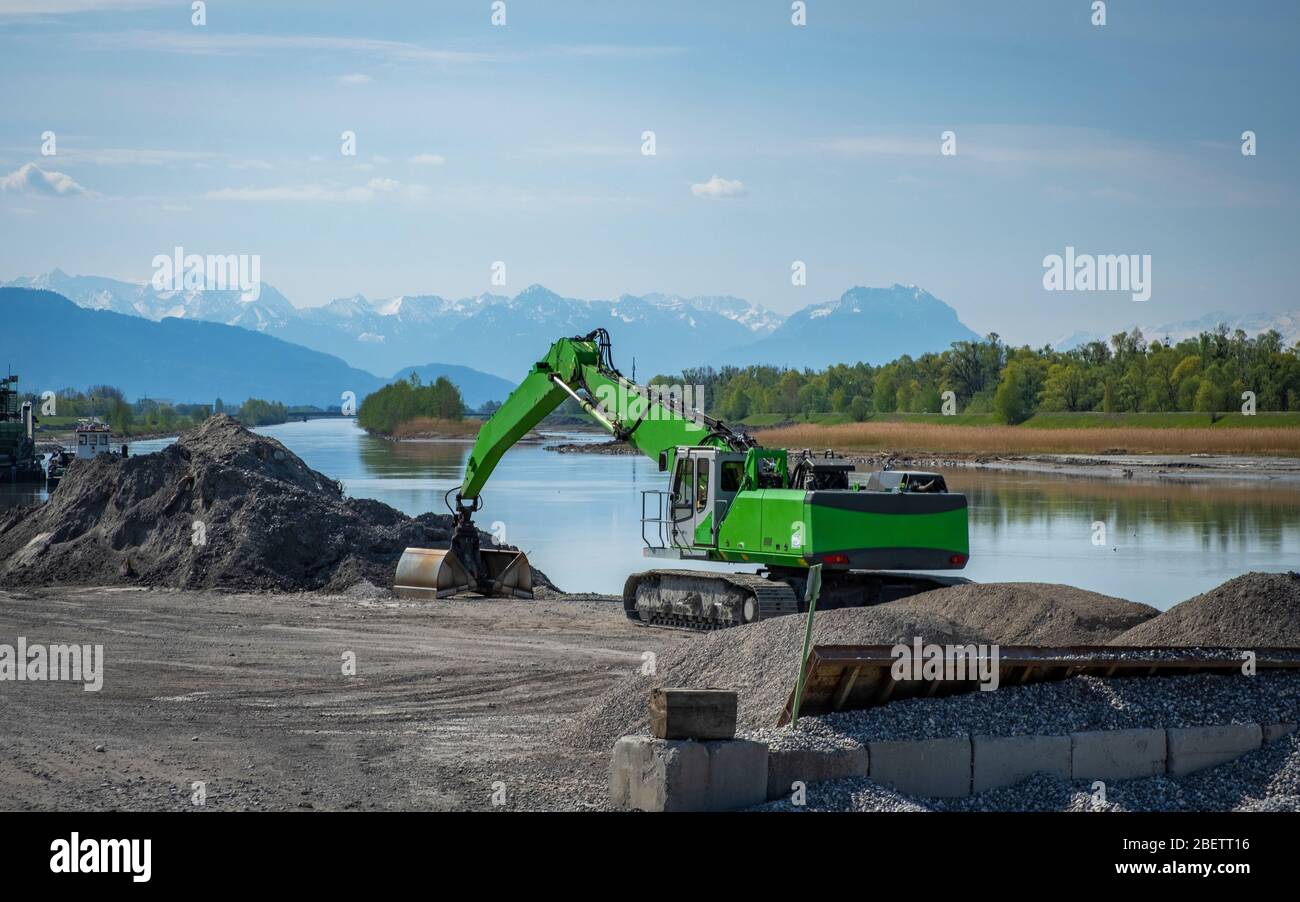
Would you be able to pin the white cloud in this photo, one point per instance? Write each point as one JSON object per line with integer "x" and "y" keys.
{"x": 399, "y": 189}
{"x": 884, "y": 145}
{"x": 212, "y": 43}
{"x": 60, "y": 7}
{"x": 32, "y": 179}
{"x": 134, "y": 156}
{"x": 427, "y": 159}
{"x": 593, "y": 149}
{"x": 718, "y": 187}
{"x": 353, "y": 79}
{"x": 618, "y": 51}
{"x": 293, "y": 193}
{"x": 357, "y": 194}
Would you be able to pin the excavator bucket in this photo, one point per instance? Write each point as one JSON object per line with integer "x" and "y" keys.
{"x": 439, "y": 573}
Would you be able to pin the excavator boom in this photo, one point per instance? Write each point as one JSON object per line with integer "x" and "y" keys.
{"x": 581, "y": 368}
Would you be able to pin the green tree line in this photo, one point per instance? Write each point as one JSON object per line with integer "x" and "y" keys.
{"x": 150, "y": 415}
{"x": 1207, "y": 373}
{"x": 407, "y": 399}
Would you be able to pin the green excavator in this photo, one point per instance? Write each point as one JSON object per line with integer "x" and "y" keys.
{"x": 728, "y": 501}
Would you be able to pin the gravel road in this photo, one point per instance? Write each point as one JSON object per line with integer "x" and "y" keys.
{"x": 245, "y": 693}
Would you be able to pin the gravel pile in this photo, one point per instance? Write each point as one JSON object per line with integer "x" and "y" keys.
{"x": 759, "y": 661}
{"x": 850, "y": 794}
{"x": 1032, "y": 613}
{"x": 1255, "y": 610}
{"x": 1067, "y": 706}
{"x": 266, "y": 521}
{"x": 1264, "y": 780}
{"x": 814, "y": 734}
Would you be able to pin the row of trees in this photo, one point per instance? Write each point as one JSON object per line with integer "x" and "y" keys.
{"x": 1206, "y": 373}
{"x": 408, "y": 399}
{"x": 149, "y": 415}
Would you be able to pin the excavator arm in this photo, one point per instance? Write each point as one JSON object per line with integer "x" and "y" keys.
{"x": 655, "y": 423}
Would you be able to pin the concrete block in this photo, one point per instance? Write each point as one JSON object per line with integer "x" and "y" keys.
{"x": 737, "y": 775}
{"x": 1196, "y": 748}
{"x": 1275, "y": 731}
{"x": 926, "y": 767}
{"x": 1117, "y": 754}
{"x": 653, "y": 774}
{"x": 693, "y": 713}
{"x": 785, "y": 766}
{"x": 1007, "y": 760}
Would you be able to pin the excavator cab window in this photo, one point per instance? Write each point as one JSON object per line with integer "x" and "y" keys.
{"x": 733, "y": 471}
{"x": 683, "y": 483}
{"x": 701, "y": 484}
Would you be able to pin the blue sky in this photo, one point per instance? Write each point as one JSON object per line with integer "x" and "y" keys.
{"x": 523, "y": 143}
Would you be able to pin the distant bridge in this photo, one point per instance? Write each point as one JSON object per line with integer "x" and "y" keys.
{"x": 304, "y": 417}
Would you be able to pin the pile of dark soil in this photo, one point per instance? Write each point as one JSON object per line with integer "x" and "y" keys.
{"x": 1033, "y": 613}
{"x": 221, "y": 508}
{"x": 1253, "y": 610}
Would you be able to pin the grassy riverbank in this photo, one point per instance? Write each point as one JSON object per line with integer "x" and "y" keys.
{"x": 1084, "y": 436}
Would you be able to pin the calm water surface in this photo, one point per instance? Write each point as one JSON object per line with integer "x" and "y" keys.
{"x": 578, "y": 515}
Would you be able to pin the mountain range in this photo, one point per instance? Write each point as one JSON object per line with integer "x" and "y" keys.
{"x": 503, "y": 335}
{"x": 52, "y": 343}
{"x": 486, "y": 343}
{"x": 874, "y": 325}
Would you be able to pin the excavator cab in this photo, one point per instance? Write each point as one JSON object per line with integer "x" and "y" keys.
{"x": 705, "y": 481}
{"x": 694, "y": 497}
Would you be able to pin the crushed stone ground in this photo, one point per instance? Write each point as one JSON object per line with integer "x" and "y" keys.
{"x": 1267, "y": 779}
{"x": 1032, "y": 613}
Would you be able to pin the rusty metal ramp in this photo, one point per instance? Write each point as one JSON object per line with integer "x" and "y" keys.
{"x": 849, "y": 677}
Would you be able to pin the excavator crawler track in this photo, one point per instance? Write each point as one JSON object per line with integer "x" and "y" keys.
{"x": 703, "y": 600}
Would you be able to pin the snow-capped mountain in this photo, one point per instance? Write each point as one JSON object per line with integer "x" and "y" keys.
{"x": 659, "y": 336}
{"x": 756, "y": 318}
{"x": 1286, "y": 323}
{"x": 874, "y": 325}
{"x": 503, "y": 335}
{"x": 269, "y": 311}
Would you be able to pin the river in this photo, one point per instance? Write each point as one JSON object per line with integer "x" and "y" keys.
{"x": 578, "y": 515}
